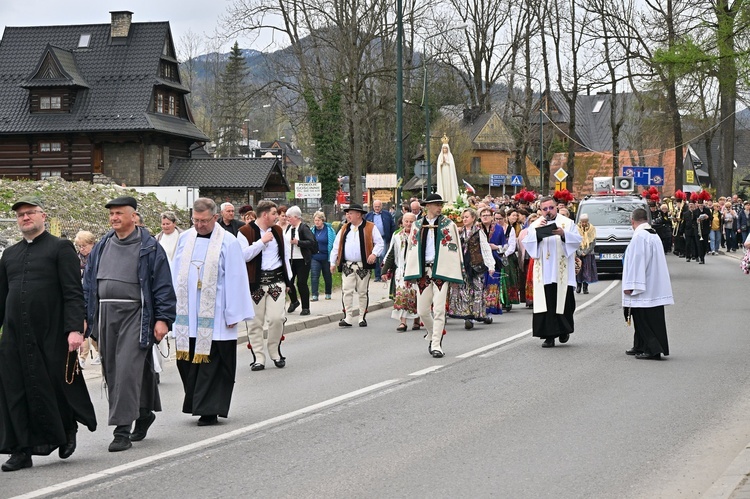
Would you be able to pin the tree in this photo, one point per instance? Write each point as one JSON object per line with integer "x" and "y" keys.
{"x": 233, "y": 104}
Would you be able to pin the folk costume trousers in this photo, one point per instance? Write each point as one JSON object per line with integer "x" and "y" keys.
{"x": 268, "y": 301}
{"x": 355, "y": 281}
{"x": 431, "y": 300}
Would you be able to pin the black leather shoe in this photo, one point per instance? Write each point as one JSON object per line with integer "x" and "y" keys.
{"x": 548, "y": 343}
{"x": 437, "y": 354}
{"x": 208, "y": 420}
{"x": 645, "y": 356}
{"x": 632, "y": 351}
{"x": 363, "y": 323}
{"x": 280, "y": 363}
{"x": 120, "y": 443}
{"x": 141, "y": 427}
{"x": 17, "y": 461}
{"x": 564, "y": 338}
{"x": 343, "y": 323}
{"x": 293, "y": 306}
{"x": 257, "y": 367}
{"x": 468, "y": 324}
{"x": 305, "y": 311}
{"x": 65, "y": 451}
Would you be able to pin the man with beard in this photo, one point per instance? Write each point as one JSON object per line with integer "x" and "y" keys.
{"x": 42, "y": 392}
{"x": 554, "y": 275}
{"x": 130, "y": 305}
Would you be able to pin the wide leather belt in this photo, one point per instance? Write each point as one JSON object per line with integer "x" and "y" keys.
{"x": 271, "y": 276}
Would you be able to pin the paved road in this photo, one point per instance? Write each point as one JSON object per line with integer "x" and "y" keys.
{"x": 366, "y": 412}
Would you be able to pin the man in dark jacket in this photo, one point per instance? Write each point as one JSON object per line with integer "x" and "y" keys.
{"x": 42, "y": 312}
{"x": 303, "y": 244}
{"x": 130, "y": 305}
{"x": 227, "y": 219}
{"x": 383, "y": 220}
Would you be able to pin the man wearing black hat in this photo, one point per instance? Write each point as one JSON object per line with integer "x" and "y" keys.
{"x": 433, "y": 259}
{"x": 355, "y": 253}
{"x": 130, "y": 305}
{"x": 42, "y": 314}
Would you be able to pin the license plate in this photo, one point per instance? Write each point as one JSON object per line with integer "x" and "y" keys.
{"x": 611, "y": 256}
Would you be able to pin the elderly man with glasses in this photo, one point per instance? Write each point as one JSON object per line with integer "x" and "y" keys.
{"x": 552, "y": 241}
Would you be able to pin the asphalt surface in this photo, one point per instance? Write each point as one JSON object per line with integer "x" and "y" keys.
{"x": 366, "y": 412}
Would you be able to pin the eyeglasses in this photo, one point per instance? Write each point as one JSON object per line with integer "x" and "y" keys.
{"x": 549, "y": 208}
{"x": 22, "y": 214}
{"x": 200, "y": 221}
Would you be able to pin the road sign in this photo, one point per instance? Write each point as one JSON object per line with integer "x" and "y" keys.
{"x": 497, "y": 180}
{"x": 561, "y": 175}
{"x": 308, "y": 190}
{"x": 516, "y": 180}
{"x": 311, "y": 178}
{"x": 645, "y": 175}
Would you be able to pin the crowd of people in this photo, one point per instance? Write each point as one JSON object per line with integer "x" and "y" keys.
{"x": 114, "y": 301}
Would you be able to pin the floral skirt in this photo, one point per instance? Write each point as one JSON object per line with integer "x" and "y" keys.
{"x": 513, "y": 278}
{"x": 467, "y": 300}
{"x": 530, "y": 283}
{"x": 492, "y": 292}
{"x": 405, "y": 302}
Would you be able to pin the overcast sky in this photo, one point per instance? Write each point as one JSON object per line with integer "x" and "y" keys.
{"x": 200, "y": 16}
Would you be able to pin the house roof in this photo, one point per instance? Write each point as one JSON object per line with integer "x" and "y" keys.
{"x": 227, "y": 173}
{"x": 115, "y": 81}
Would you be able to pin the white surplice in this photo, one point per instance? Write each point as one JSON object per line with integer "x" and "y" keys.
{"x": 233, "y": 302}
{"x": 645, "y": 271}
{"x": 554, "y": 261}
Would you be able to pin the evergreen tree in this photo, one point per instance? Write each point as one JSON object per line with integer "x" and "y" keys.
{"x": 233, "y": 100}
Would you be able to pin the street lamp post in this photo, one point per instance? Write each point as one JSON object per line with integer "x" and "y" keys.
{"x": 399, "y": 100}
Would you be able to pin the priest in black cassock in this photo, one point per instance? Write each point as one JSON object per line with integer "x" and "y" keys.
{"x": 43, "y": 395}
{"x": 646, "y": 289}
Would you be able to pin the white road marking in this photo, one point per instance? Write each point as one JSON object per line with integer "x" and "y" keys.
{"x": 524, "y": 333}
{"x": 52, "y": 489}
{"x": 425, "y": 371}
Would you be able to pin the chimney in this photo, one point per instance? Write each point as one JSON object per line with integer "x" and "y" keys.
{"x": 121, "y": 20}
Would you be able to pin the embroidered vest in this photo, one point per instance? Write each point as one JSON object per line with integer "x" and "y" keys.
{"x": 252, "y": 233}
{"x": 366, "y": 243}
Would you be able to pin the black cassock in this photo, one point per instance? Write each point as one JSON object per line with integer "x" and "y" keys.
{"x": 41, "y": 300}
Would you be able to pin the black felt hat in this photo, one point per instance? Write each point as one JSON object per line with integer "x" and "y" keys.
{"x": 356, "y": 207}
{"x": 123, "y": 201}
{"x": 433, "y": 198}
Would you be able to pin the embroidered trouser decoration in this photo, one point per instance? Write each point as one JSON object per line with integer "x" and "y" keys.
{"x": 431, "y": 301}
{"x": 355, "y": 281}
{"x": 268, "y": 308}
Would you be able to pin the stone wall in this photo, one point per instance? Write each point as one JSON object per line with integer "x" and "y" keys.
{"x": 238, "y": 197}
{"x": 122, "y": 162}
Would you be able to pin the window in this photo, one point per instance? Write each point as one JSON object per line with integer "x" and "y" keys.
{"x": 159, "y": 103}
{"x": 160, "y": 157}
{"x": 50, "y": 173}
{"x": 50, "y": 146}
{"x": 598, "y": 106}
{"x": 171, "y": 105}
{"x": 476, "y": 165}
{"x": 83, "y": 41}
{"x": 50, "y": 102}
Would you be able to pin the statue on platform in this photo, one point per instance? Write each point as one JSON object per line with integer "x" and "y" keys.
{"x": 447, "y": 182}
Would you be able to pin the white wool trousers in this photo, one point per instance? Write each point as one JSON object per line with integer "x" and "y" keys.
{"x": 354, "y": 285}
{"x": 271, "y": 310}
{"x": 431, "y": 309}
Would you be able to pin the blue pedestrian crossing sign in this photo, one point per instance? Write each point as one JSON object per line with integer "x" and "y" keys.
{"x": 516, "y": 180}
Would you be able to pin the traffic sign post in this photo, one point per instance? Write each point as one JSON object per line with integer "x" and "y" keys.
{"x": 496, "y": 180}
{"x": 308, "y": 190}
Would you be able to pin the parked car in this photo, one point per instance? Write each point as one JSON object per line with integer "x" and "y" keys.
{"x": 610, "y": 214}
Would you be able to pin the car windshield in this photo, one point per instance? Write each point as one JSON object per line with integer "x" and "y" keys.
{"x": 601, "y": 214}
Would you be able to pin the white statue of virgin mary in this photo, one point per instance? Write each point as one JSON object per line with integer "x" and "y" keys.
{"x": 447, "y": 182}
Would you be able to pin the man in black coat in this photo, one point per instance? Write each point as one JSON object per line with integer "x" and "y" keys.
{"x": 227, "y": 219}
{"x": 43, "y": 395}
{"x": 303, "y": 244}
{"x": 383, "y": 220}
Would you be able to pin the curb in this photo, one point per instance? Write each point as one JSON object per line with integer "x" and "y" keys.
{"x": 732, "y": 478}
